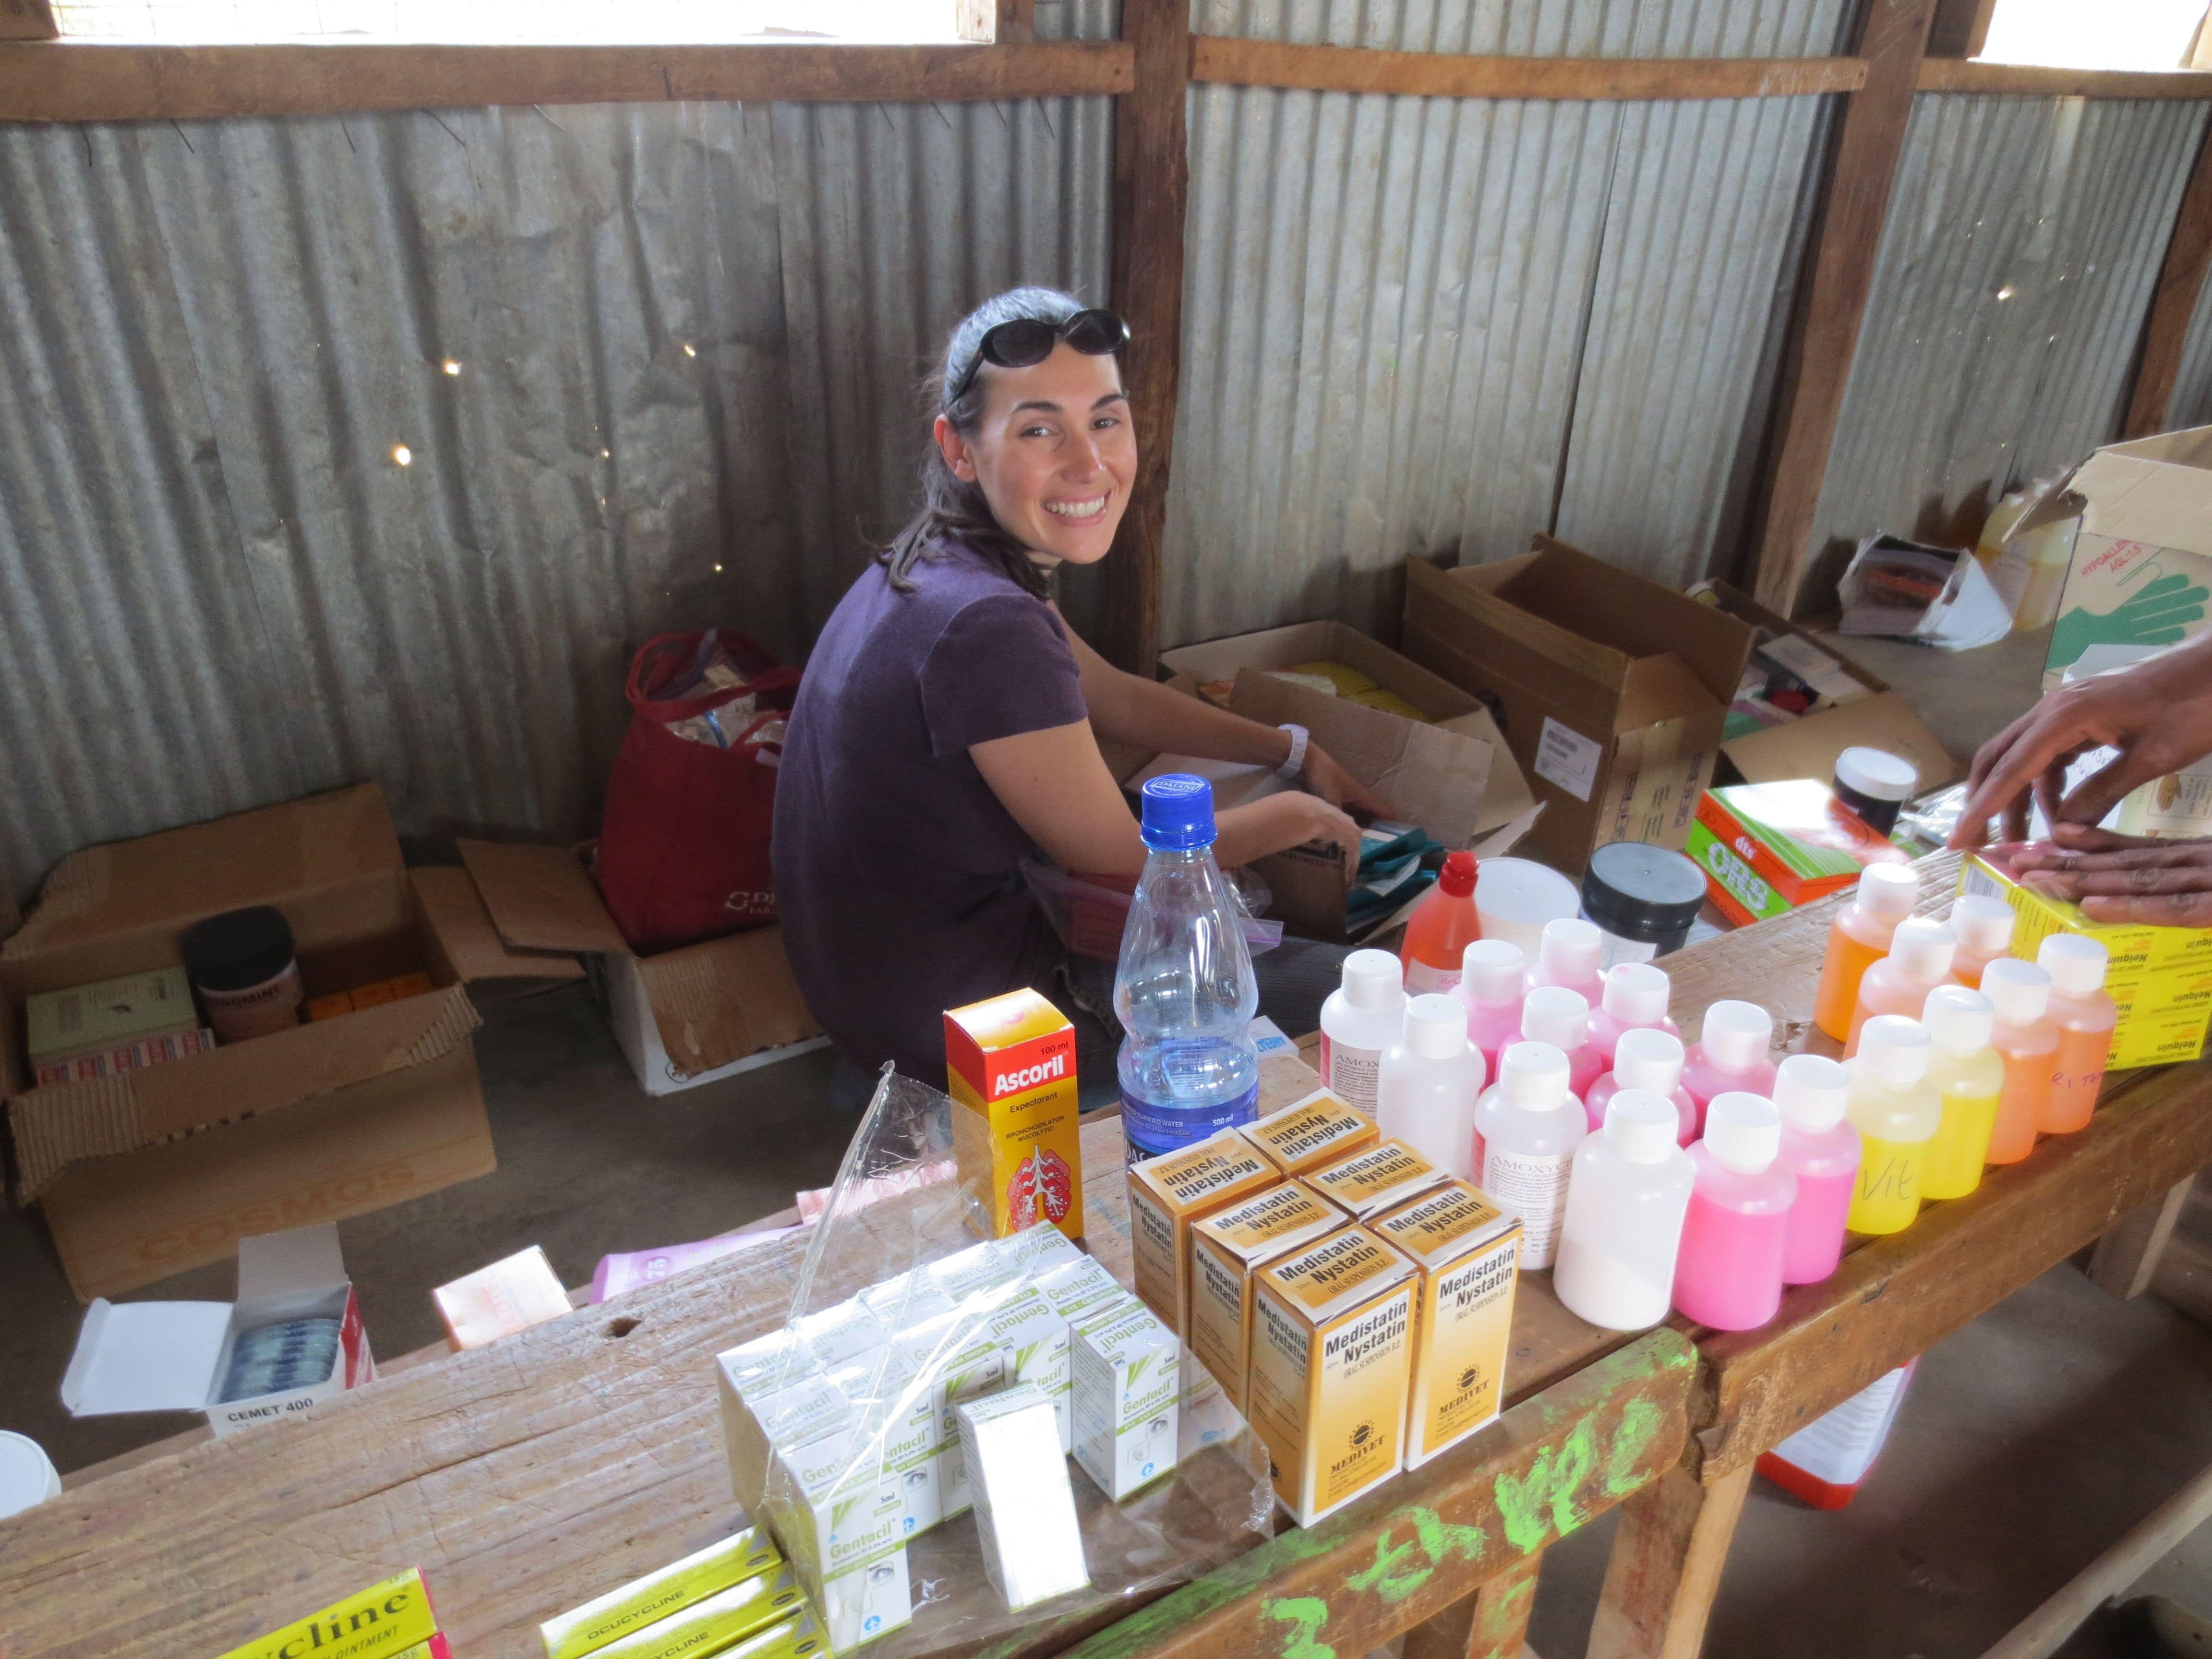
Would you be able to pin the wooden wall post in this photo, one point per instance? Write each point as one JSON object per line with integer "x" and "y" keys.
{"x": 2180, "y": 281}
{"x": 1000, "y": 22}
{"x": 1152, "y": 182}
{"x": 1869, "y": 141}
{"x": 28, "y": 19}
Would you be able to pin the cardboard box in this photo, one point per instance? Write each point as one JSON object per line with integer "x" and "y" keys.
{"x": 1226, "y": 1249}
{"x": 1467, "y": 1250}
{"x": 1011, "y": 1066}
{"x": 174, "y": 1356}
{"x": 1769, "y": 847}
{"x": 146, "y": 1172}
{"x": 1166, "y": 1195}
{"x": 1614, "y": 688}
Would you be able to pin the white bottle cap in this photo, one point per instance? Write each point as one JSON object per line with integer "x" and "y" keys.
{"x": 1810, "y": 1092}
{"x": 1636, "y": 994}
{"x": 1572, "y": 948}
{"x": 1648, "y": 1058}
{"x": 1642, "y": 1124}
{"x": 1982, "y": 922}
{"x": 1877, "y": 774}
{"x": 1893, "y": 1050}
{"x": 1923, "y": 948}
{"x": 1959, "y": 1021}
{"x": 2018, "y": 990}
{"x": 1436, "y": 1026}
{"x": 1533, "y": 1075}
{"x": 1373, "y": 979}
{"x": 27, "y": 1474}
{"x": 1555, "y": 1015}
{"x": 2075, "y": 964}
{"x": 1492, "y": 969}
{"x": 1742, "y": 1130}
{"x": 1888, "y": 890}
{"x": 1736, "y": 1035}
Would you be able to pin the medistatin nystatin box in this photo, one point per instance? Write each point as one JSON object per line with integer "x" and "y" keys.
{"x": 1166, "y": 1194}
{"x": 1310, "y": 1133}
{"x": 1226, "y": 1248}
{"x": 1376, "y": 1179}
{"x": 1468, "y": 1250}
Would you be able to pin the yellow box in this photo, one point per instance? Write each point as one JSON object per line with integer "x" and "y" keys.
{"x": 1011, "y": 1064}
{"x": 1308, "y": 1133}
{"x": 2160, "y": 977}
{"x": 1166, "y": 1195}
{"x": 741, "y": 1556}
{"x": 1375, "y": 1179}
{"x": 755, "y": 1607}
{"x": 385, "y": 1619}
{"x": 1468, "y": 1251}
{"x": 1332, "y": 1353}
{"x": 1226, "y": 1249}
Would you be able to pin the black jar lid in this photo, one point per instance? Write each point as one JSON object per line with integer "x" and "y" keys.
{"x": 1633, "y": 890}
{"x": 238, "y": 949}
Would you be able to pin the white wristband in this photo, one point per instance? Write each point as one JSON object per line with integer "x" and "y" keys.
{"x": 1289, "y": 770}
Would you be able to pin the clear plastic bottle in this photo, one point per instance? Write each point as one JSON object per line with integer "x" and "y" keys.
{"x": 1982, "y": 923}
{"x": 1363, "y": 1016}
{"x": 1493, "y": 981}
{"x": 2085, "y": 1014}
{"x": 1553, "y": 1014}
{"x": 1431, "y": 1077}
{"x": 1569, "y": 957}
{"x": 1730, "y": 1056}
{"x": 1896, "y": 1110}
{"x": 1645, "y": 1058}
{"x": 1441, "y": 927}
{"x": 1919, "y": 960}
{"x": 1969, "y": 1076}
{"x": 2027, "y": 1040}
{"x": 1531, "y": 1126}
{"x": 1728, "y": 1275}
{"x": 1859, "y": 938}
{"x": 1822, "y": 1150}
{"x": 1626, "y": 1198}
{"x": 1635, "y": 998}
{"x": 1184, "y": 989}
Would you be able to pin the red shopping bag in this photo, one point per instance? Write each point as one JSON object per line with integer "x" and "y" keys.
{"x": 683, "y": 849}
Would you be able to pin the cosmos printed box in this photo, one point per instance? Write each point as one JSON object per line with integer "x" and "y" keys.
{"x": 1332, "y": 1355}
{"x": 1011, "y": 1065}
{"x": 1167, "y": 1194}
{"x": 1466, "y": 1249}
{"x": 1310, "y": 1133}
{"x": 1226, "y": 1249}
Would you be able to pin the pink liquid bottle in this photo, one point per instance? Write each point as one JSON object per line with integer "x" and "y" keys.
{"x": 1568, "y": 956}
{"x": 1919, "y": 960}
{"x": 1553, "y": 1014}
{"x": 1822, "y": 1150}
{"x": 1730, "y": 1055}
{"x": 1493, "y": 981}
{"x": 1646, "y": 1058}
{"x": 1635, "y": 998}
{"x": 1729, "y": 1273}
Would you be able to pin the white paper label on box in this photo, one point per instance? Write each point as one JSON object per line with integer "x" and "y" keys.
{"x": 1566, "y": 757}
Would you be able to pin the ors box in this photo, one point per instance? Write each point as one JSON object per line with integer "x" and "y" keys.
{"x": 1011, "y": 1065}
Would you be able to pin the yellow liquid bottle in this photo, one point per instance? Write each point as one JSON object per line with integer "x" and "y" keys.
{"x": 1969, "y": 1076}
{"x": 1896, "y": 1111}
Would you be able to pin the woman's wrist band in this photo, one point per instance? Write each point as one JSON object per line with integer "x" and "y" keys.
{"x": 1289, "y": 770}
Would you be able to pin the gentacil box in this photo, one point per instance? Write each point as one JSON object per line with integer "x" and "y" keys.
{"x": 1167, "y": 1194}
{"x": 1011, "y": 1065}
{"x": 1468, "y": 1251}
{"x": 1128, "y": 1393}
{"x": 1226, "y": 1249}
{"x": 1310, "y": 1133}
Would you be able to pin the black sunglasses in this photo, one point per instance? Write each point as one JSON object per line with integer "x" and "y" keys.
{"x": 1027, "y": 341}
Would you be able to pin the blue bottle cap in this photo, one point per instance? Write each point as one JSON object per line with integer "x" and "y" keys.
{"x": 1178, "y": 812}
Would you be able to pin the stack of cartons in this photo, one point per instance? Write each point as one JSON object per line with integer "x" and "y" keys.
{"x": 1167, "y": 1195}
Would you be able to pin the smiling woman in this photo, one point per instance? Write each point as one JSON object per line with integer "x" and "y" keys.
{"x": 949, "y": 721}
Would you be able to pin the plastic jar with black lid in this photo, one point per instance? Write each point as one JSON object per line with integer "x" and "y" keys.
{"x": 1874, "y": 784}
{"x": 1643, "y": 899}
{"x": 242, "y": 964}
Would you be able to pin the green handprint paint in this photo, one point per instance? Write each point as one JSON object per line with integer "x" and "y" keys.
{"x": 2162, "y": 612}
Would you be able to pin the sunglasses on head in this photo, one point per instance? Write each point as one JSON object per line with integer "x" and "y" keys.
{"x": 1027, "y": 341}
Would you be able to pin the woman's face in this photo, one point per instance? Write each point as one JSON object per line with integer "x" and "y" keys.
{"x": 1054, "y": 454}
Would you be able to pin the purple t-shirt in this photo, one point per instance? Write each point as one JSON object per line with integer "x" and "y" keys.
{"x": 896, "y": 867}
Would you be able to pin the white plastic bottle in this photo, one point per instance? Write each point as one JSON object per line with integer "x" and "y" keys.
{"x": 1363, "y": 1016}
{"x": 1625, "y": 1202}
{"x": 1531, "y": 1126}
{"x": 1431, "y": 1077}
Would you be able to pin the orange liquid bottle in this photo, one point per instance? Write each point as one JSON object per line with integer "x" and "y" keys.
{"x": 1441, "y": 928}
{"x": 1858, "y": 939}
{"x": 2085, "y": 1016}
{"x": 1983, "y": 925}
{"x": 1919, "y": 960}
{"x": 2028, "y": 1042}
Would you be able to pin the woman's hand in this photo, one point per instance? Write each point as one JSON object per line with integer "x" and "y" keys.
{"x": 2127, "y": 878}
{"x": 1274, "y": 823}
{"x": 1330, "y": 781}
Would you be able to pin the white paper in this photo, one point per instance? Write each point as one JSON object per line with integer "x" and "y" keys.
{"x": 1564, "y": 756}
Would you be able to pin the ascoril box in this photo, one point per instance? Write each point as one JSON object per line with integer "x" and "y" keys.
{"x": 1308, "y": 1133}
{"x": 1332, "y": 1356}
{"x": 1167, "y": 1194}
{"x": 1376, "y": 1179}
{"x": 1225, "y": 1248}
{"x": 1467, "y": 1250}
{"x": 1011, "y": 1064}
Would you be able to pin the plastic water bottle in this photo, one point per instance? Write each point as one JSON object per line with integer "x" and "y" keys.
{"x": 1184, "y": 990}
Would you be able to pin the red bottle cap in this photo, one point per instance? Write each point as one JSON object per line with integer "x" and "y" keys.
{"x": 1457, "y": 877}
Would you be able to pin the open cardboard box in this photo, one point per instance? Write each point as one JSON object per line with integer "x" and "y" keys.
{"x": 145, "y": 1173}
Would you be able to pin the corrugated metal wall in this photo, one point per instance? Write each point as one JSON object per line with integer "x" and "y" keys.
{"x": 2192, "y": 389}
{"x": 2023, "y": 240}
{"x": 1415, "y": 322}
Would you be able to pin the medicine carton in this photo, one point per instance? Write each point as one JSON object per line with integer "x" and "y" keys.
{"x": 1226, "y": 1249}
{"x": 907, "y": 1300}
{"x": 1127, "y": 1391}
{"x": 957, "y": 1358}
{"x": 1332, "y": 1358}
{"x": 1035, "y": 1340}
{"x": 896, "y": 1405}
{"x": 1035, "y": 1250}
{"x": 1024, "y": 1507}
{"x": 798, "y": 1637}
{"x": 1011, "y": 1065}
{"x": 840, "y": 1515}
{"x": 716, "y": 1623}
{"x": 387, "y": 1618}
{"x": 1377, "y": 1178}
{"x": 1467, "y": 1250}
{"x": 742, "y": 1556}
{"x": 839, "y": 1334}
{"x": 1769, "y": 847}
{"x": 2160, "y": 977}
{"x": 758, "y": 1416}
{"x": 1310, "y": 1133}
{"x": 1167, "y": 1194}
{"x": 1076, "y": 1286}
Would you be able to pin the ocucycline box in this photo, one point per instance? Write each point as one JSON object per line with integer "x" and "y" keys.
{"x": 714, "y": 1624}
{"x": 1225, "y": 1248}
{"x": 387, "y": 1618}
{"x": 1128, "y": 1392}
{"x": 1011, "y": 1065}
{"x": 1376, "y": 1179}
{"x": 735, "y": 1560}
{"x": 1467, "y": 1250}
{"x": 1310, "y": 1133}
{"x": 1166, "y": 1194}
